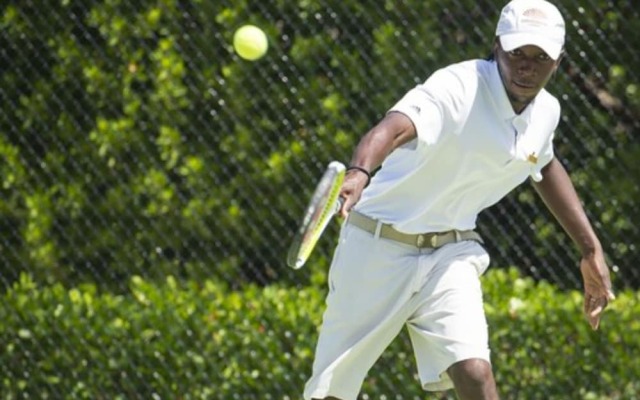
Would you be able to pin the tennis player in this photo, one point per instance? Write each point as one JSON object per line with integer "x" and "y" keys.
{"x": 408, "y": 254}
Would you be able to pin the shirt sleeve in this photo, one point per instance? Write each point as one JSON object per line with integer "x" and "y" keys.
{"x": 433, "y": 105}
{"x": 423, "y": 112}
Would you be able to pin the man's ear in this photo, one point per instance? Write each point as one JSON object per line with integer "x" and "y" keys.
{"x": 496, "y": 47}
{"x": 558, "y": 61}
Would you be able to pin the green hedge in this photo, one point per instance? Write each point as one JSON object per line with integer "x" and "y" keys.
{"x": 201, "y": 340}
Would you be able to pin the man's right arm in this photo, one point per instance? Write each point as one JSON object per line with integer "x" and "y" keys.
{"x": 393, "y": 131}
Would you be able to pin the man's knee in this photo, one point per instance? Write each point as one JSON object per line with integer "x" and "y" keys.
{"x": 474, "y": 378}
{"x": 472, "y": 370}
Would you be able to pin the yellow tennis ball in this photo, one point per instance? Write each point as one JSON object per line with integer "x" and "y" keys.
{"x": 250, "y": 42}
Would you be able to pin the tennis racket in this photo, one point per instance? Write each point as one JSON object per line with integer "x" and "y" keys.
{"x": 324, "y": 204}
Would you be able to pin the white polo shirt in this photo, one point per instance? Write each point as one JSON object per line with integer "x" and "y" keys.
{"x": 472, "y": 149}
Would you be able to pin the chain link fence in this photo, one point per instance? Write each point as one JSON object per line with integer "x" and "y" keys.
{"x": 135, "y": 142}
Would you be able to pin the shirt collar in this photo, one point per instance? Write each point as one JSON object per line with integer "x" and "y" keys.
{"x": 500, "y": 97}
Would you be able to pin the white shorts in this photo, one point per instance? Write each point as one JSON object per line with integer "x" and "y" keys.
{"x": 376, "y": 287}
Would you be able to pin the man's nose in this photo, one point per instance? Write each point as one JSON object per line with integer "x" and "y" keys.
{"x": 526, "y": 66}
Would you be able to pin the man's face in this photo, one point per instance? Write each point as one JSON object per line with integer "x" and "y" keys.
{"x": 524, "y": 72}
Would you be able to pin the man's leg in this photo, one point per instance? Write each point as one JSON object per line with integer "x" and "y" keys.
{"x": 448, "y": 328}
{"x": 473, "y": 380}
{"x": 370, "y": 283}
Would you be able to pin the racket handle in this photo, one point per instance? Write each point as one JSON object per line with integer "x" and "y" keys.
{"x": 338, "y": 205}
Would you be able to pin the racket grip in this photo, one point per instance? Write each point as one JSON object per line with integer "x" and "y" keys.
{"x": 338, "y": 205}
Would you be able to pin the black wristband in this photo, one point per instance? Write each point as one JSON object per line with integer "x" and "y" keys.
{"x": 364, "y": 171}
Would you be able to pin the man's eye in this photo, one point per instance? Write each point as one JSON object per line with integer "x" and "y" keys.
{"x": 515, "y": 53}
{"x": 544, "y": 57}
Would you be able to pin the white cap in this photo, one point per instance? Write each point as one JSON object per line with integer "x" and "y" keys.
{"x": 531, "y": 22}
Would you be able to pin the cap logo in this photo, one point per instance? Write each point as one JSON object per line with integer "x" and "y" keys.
{"x": 535, "y": 16}
{"x": 535, "y": 13}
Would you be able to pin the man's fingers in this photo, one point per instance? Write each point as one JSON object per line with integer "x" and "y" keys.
{"x": 344, "y": 210}
{"x": 594, "y": 317}
{"x": 347, "y": 204}
{"x": 596, "y": 311}
{"x": 593, "y": 307}
{"x": 595, "y": 323}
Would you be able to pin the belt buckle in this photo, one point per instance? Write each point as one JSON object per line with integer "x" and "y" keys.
{"x": 423, "y": 238}
{"x": 434, "y": 240}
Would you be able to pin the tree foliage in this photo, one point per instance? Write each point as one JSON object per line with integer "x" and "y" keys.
{"x": 134, "y": 141}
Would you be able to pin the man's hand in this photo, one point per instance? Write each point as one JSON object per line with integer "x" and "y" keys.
{"x": 597, "y": 287}
{"x": 558, "y": 193}
{"x": 393, "y": 131}
{"x": 352, "y": 187}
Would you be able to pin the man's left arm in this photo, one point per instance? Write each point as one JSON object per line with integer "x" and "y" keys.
{"x": 559, "y": 195}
